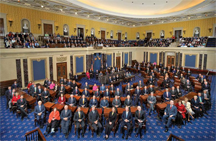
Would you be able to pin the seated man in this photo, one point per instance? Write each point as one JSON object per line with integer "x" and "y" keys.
{"x": 75, "y": 78}
{"x": 40, "y": 113}
{"x": 83, "y": 101}
{"x": 61, "y": 89}
{"x": 102, "y": 88}
{"x": 166, "y": 95}
{"x": 166, "y": 82}
{"x": 110, "y": 79}
{"x": 126, "y": 121}
{"x": 169, "y": 113}
{"x": 127, "y": 88}
{"x": 93, "y": 102}
{"x": 100, "y": 74}
{"x": 97, "y": 93}
{"x": 201, "y": 101}
{"x": 93, "y": 117}
{"x": 206, "y": 86}
{"x": 78, "y": 118}
{"x": 69, "y": 83}
{"x": 76, "y": 91}
{"x": 65, "y": 81}
{"x": 107, "y": 93}
{"x": 140, "y": 84}
{"x": 71, "y": 101}
{"x": 151, "y": 101}
{"x": 128, "y": 101}
{"x": 73, "y": 85}
{"x": 118, "y": 93}
{"x": 150, "y": 81}
{"x": 15, "y": 85}
{"x": 86, "y": 92}
{"x": 33, "y": 90}
{"x": 116, "y": 102}
{"x": 45, "y": 95}
{"x": 61, "y": 80}
{"x": 178, "y": 92}
{"x": 207, "y": 99}
{"x": 86, "y": 85}
{"x": 140, "y": 117}
{"x": 196, "y": 107}
{"x": 173, "y": 93}
{"x": 21, "y": 105}
{"x": 9, "y": 95}
{"x": 46, "y": 82}
{"x": 53, "y": 121}
{"x": 39, "y": 93}
{"x": 117, "y": 77}
{"x": 145, "y": 91}
{"x": 104, "y": 103}
{"x": 65, "y": 120}
{"x": 112, "y": 88}
{"x": 96, "y": 74}
{"x": 151, "y": 89}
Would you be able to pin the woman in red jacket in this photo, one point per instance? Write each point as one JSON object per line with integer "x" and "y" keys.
{"x": 181, "y": 113}
{"x": 15, "y": 98}
{"x": 62, "y": 99}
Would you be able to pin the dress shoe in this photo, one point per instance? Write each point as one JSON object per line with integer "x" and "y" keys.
{"x": 140, "y": 136}
{"x": 206, "y": 113}
{"x": 136, "y": 135}
{"x": 78, "y": 136}
{"x": 83, "y": 135}
{"x": 41, "y": 126}
{"x": 126, "y": 137}
{"x": 66, "y": 136}
{"x": 122, "y": 136}
{"x": 45, "y": 133}
{"x": 166, "y": 130}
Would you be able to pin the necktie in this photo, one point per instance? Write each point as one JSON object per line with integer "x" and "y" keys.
{"x": 21, "y": 100}
{"x": 40, "y": 108}
{"x": 139, "y": 113}
{"x": 112, "y": 113}
{"x": 83, "y": 101}
{"x": 200, "y": 99}
{"x": 35, "y": 89}
{"x": 170, "y": 107}
{"x": 65, "y": 111}
{"x": 126, "y": 114}
{"x": 167, "y": 94}
{"x": 79, "y": 114}
{"x": 116, "y": 101}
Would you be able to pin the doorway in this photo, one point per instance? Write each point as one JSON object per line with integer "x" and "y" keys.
{"x": 48, "y": 29}
{"x": 103, "y": 35}
{"x": 178, "y": 34}
{"x": 61, "y": 70}
{"x": 149, "y": 35}
{"x": 80, "y": 32}
{"x": 1, "y": 28}
{"x": 119, "y": 36}
{"x": 118, "y": 60}
{"x": 170, "y": 60}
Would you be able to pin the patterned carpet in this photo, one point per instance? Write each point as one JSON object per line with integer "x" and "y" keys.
{"x": 13, "y": 128}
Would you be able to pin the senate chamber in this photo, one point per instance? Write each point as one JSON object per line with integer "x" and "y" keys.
{"x": 108, "y": 70}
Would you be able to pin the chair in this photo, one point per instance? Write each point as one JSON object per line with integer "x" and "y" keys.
{"x": 129, "y": 130}
{"x": 143, "y": 127}
{"x": 79, "y": 127}
{"x": 115, "y": 127}
{"x": 19, "y": 112}
{"x": 35, "y": 119}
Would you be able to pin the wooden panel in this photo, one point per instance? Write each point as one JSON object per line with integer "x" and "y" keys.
{"x": 170, "y": 60}
{"x": 1, "y": 26}
{"x": 119, "y": 36}
{"x": 118, "y": 62}
{"x": 4, "y": 85}
{"x": 48, "y": 28}
{"x": 103, "y": 35}
{"x": 61, "y": 70}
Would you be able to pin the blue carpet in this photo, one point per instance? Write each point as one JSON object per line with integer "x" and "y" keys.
{"x": 13, "y": 128}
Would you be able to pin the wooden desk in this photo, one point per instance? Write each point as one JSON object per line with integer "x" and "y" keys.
{"x": 120, "y": 110}
{"x": 160, "y": 106}
{"x": 30, "y": 100}
{"x": 85, "y": 110}
{"x": 67, "y": 96}
{"x": 48, "y": 105}
{"x": 107, "y": 111}
{"x": 68, "y": 89}
{"x": 72, "y": 108}
{"x": 133, "y": 109}
{"x": 58, "y": 106}
{"x": 98, "y": 109}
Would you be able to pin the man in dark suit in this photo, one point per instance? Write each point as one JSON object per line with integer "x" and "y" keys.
{"x": 196, "y": 107}
{"x": 169, "y": 113}
{"x": 178, "y": 92}
{"x": 83, "y": 101}
{"x": 173, "y": 93}
{"x": 93, "y": 117}
{"x": 69, "y": 83}
{"x": 140, "y": 84}
{"x": 9, "y": 95}
{"x": 207, "y": 99}
{"x": 73, "y": 86}
{"x": 33, "y": 90}
{"x": 65, "y": 120}
{"x": 76, "y": 91}
{"x": 201, "y": 79}
{"x": 128, "y": 101}
{"x": 140, "y": 117}
{"x": 112, "y": 88}
{"x": 104, "y": 103}
{"x": 150, "y": 81}
{"x": 127, "y": 88}
{"x": 151, "y": 89}
{"x": 86, "y": 92}
{"x": 145, "y": 90}
{"x": 166, "y": 95}
{"x": 118, "y": 93}
{"x": 15, "y": 85}
{"x": 79, "y": 117}
{"x": 206, "y": 86}
{"x": 93, "y": 102}
{"x": 201, "y": 101}
{"x": 151, "y": 101}
{"x": 107, "y": 93}
{"x": 21, "y": 105}
{"x": 39, "y": 92}
{"x": 188, "y": 86}
{"x": 40, "y": 113}
{"x": 116, "y": 102}
{"x": 46, "y": 82}
{"x": 61, "y": 89}
{"x": 166, "y": 82}
{"x": 46, "y": 95}
{"x": 71, "y": 101}
{"x": 136, "y": 95}
{"x": 110, "y": 79}
{"x": 97, "y": 93}
{"x": 86, "y": 85}
{"x": 126, "y": 121}
{"x": 61, "y": 80}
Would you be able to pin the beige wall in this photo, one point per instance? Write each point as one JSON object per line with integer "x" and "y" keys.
{"x": 8, "y": 69}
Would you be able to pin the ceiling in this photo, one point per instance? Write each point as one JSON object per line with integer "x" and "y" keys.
{"x": 126, "y": 12}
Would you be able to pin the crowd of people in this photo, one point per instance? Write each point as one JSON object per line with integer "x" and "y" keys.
{"x": 193, "y": 41}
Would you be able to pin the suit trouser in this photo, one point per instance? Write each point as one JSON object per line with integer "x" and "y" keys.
{"x": 23, "y": 112}
{"x": 151, "y": 107}
{"x": 203, "y": 107}
{"x": 46, "y": 99}
{"x": 140, "y": 125}
{"x": 40, "y": 119}
{"x": 52, "y": 124}
{"x": 125, "y": 124}
{"x": 97, "y": 127}
{"x": 65, "y": 126}
{"x": 108, "y": 128}
{"x": 169, "y": 120}
{"x": 82, "y": 123}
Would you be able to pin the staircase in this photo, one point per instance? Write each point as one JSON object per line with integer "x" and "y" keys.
{"x": 2, "y": 45}
{"x": 174, "y": 138}
{"x": 35, "y": 135}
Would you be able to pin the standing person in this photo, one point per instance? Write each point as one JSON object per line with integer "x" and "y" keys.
{"x": 88, "y": 75}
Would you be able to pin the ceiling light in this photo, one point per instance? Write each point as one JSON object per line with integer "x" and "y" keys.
{"x": 42, "y": 6}
{"x": 88, "y": 16}
{"x": 188, "y": 17}
{"x": 60, "y": 9}
{"x": 133, "y": 25}
{"x": 75, "y": 13}
{"x": 107, "y": 19}
{"x": 150, "y": 22}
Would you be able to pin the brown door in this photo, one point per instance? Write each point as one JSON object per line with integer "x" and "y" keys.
{"x": 118, "y": 62}
{"x": 80, "y": 32}
{"x": 61, "y": 70}
{"x": 170, "y": 60}
{"x": 119, "y": 36}
{"x": 48, "y": 28}
{"x": 149, "y": 35}
{"x": 1, "y": 27}
{"x": 177, "y": 34}
{"x": 103, "y": 35}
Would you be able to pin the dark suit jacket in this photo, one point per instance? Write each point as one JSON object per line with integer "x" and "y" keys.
{"x": 66, "y": 115}
{"x": 95, "y": 103}
{"x": 114, "y": 102}
{"x": 127, "y": 103}
{"x": 97, "y": 93}
{"x": 76, "y": 91}
{"x": 104, "y": 103}
{"x": 8, "y": 94}
{"x": 15, "y": 86}
{"x": 141, "y": 116}
{"x": 71, "y": 101}
{"x": 24, "y": 102}
{"x": 145, "y": 91}
{"x": 39, "y": 92}
{"x": 112, "y": 117}
{"x": 138, "y": 93}
{"x": 165, "y": 95}
{"x": 173, "y": 92}
{"x": 86, "y": 93}
{"x": 86, "y": 86}
{"x": 76, "y": 116}
{"x": 93, "y": 116}
{"x": 45, "y": 94}
{"x": 151, "y": 90}
{"x": 107, "y": 93}
{"x": 81, "y": 102}
{"x": 195, "y": 103}
{"x": 120, "y": 93}
{"x": 61, "y": 81}
{"x": 61, "y": 89}
{"x": 129, "y": 116}
{"x": 37, "y": 110}
{"x": 112, "y": 89}
{"x": 173, "y": 111}
{"x": 45, "y": 83}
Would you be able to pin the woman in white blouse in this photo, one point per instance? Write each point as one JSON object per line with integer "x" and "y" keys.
{"x": 188, "y": 108}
